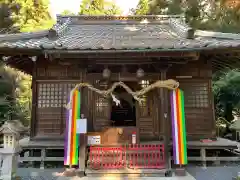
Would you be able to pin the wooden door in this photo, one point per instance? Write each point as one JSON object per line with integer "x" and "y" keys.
{"x": 147, "y": 115}
{"x": 101, "y": 108}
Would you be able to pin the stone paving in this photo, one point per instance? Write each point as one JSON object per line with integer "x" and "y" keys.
{"x": 214, "y": 173}
{"x": 46, "y": 174}
{"x": 225, "y": 172}
{"x": 188, "y": 177}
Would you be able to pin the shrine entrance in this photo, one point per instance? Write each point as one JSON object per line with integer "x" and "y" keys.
{"x": 123, "y": 114}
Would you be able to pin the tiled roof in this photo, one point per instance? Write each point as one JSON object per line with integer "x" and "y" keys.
{"x": 114, "y": 32}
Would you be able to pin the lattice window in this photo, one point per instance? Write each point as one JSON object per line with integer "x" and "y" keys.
{"x": 196, "y": 95}
{"x": 67, "y": 87}
{"x": 49, "y": 95}
{"x": 145, "y": 106}
{"x": 144, "y": 83}
{"x": 101, "y": 105}
{"x": 54, "y": 95}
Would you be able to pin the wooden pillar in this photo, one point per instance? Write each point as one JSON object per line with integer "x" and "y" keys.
{"x": 82, "y": 138}
{"x": 164, "y": 100}
{"x": 34, "y": 102}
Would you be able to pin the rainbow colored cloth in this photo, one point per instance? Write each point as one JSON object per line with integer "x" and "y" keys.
{"x": 178, "y": 127}
{"x": 71, "y": 137}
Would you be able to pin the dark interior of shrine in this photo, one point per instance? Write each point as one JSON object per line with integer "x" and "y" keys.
{"x": 123, "y": 114}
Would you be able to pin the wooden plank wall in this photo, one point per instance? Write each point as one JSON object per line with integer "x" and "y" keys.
{"x": 53, "y": 84}
{"x": 148, "y": 121}
{"x": 198, "y": 98}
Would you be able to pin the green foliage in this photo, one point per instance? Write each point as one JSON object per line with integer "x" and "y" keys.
{"x": 67, "y": 12}
{"x": 15, "y": 95}
{"x": 113, "y": 10}
{"x": 175, "y": 7}
{"x": 5, "y": 19}
{"x": 158, "y": 7}
{"x": 226, "y": 88}
{"x": 15, "y": 91}
{"x": 200, "y": 14}
{"x": 142, "y": 7}
{"x": 99, "y": 7}
{"x": 28, "y": 15}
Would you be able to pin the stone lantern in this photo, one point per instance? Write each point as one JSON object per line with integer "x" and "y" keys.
{"x": 12, "y": 131}
{"x": 236, "y": 126}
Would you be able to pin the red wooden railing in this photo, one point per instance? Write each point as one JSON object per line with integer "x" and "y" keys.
{"x": 106, "y": 157}
{"x": 131, "y": 156}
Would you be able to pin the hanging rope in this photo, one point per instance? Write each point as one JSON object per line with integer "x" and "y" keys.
{"x": 169, "y": 84}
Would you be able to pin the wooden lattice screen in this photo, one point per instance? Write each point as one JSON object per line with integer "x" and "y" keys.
{"x": 101, "y": 109}
{"x": 196, "y": 95}
{"x": 146, "y": 114}
{"x": 51, "y": 113}
{"x": 198, "y": 105}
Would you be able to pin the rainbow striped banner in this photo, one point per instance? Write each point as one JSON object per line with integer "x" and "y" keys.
{"x": 71, "y": 136}
{"x": 178, "y": 127}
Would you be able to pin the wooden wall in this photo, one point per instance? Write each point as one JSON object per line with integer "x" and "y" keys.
{"x": 200, "y": 120}
{"x": 52, "y": 84}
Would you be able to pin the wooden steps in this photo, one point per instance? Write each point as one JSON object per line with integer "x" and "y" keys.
{"x": 128, "y": 173}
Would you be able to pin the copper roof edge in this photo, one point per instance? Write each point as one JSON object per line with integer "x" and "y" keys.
{"x": 219, "y": 35}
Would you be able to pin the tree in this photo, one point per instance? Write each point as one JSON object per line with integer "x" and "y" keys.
{"x": 15, "y": 91}
{"x": 219, "y": 15}
{"x": 15, "y": 95}
{"x": 99, "y": 7}
{"x": 67, "y": 12}
{"x": 158, "y": 7}
{"x": 226, "y": 88}
{"x": 30, "y": 15}
{"x": 5, "y": 19}
{"x": 175, "y": 7}
{"x": 142, "y": 7}
{"x": 113, "y": 10}
{"x": 193, "y": 13}
{"x": 226, "y": 18}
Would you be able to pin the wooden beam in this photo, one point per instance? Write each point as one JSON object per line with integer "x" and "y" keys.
{"x": 119, "y": 61}
{"x": 20, "y": 51}
{"x": 120, "y": 53}
{"x": 122, "y": 77}
{"x": 215, "y": 158}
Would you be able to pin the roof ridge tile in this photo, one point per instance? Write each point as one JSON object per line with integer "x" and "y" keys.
{"x": 59, "y": 29}
{"x": 181, "y": 28}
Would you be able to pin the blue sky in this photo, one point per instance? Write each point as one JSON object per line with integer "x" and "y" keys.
{"x": 57, "y": 6}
